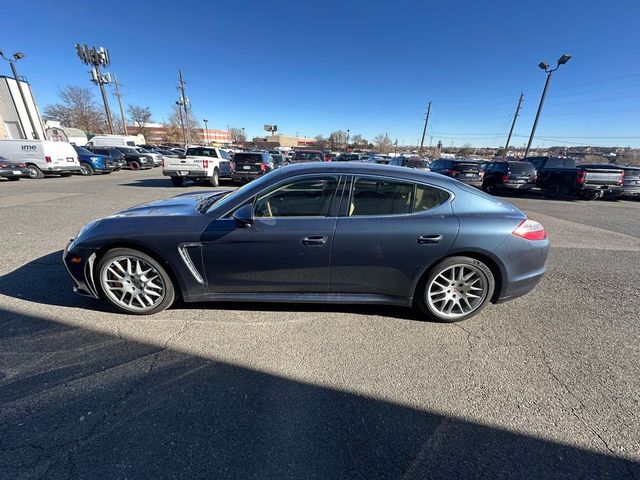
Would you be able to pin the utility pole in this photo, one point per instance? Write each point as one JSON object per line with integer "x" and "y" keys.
{"x": 513, "y": 124}
{"x": 119, "y": 95}
{"x": 183, "y": 103}
{"x": 184, "y": 135}
{"x": 206, "y": 130}
{"x": 95, "y": 57}
{"x": 424, "y": 130}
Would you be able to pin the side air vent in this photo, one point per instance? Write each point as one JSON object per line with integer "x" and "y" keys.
{"x": 191, "y": 254}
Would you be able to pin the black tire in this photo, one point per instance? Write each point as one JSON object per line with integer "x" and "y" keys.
{"x": 214, "y": 181}
{"x": 86, "y": 169}
{"x": 491, "y": 188}
{"x": 13, "y": 179}
{"x": 480, "y": 268}
{"x": 66, "y": 174}
{"x": 553, "y": 190}
{"x": 35, "y": 172}
{"x": 169, "y": 289}
{"x": 106, "y": 172}
{"x": 177, "y": 181}
{"x": 134, "y": 165}
{"x": 590, "y": 195}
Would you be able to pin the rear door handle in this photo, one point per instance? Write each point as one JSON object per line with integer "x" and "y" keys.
{"x": 314, "y": 240}
{"x": 429, "y": 239}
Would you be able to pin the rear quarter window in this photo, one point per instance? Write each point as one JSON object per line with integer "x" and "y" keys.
{"x": 521, "y": 167}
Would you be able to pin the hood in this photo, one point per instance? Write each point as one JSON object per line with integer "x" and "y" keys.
{"x": 181, "y": 205}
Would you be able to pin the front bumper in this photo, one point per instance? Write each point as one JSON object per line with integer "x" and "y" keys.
{"x": 82, "y": 274}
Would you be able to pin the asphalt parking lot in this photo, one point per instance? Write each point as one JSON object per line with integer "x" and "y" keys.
{"x": 546, "y": 386}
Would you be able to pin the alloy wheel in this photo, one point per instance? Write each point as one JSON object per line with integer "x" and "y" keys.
{"x": 132, "y": 283}
{"x": 457, "y": 291}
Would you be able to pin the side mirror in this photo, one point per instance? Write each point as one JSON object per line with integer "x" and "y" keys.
{"x": 182, "y": 157}
{"x": 244, "y": 216}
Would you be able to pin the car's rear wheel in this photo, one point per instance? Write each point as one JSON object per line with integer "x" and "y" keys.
{"x": 177, "y": 181}
{"x": 86, "y": 169}
{"x": 214, "y": 181}
{"x": 35, "y": 172}
{"x": 553, "y": 190}
{"x": 457, "y": 288}
{"x": 490, "y": 187}
{"x": 134, "y": 165}
{"x": 134, "y": 282}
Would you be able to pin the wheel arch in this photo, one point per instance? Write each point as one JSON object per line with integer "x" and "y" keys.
{"x": 147, "y": 250}
{"x": 495, "y": 265}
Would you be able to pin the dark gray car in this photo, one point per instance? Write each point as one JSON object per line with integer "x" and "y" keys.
{"x": 316, "y": 232}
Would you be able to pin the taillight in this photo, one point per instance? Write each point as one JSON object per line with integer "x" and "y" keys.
{"x": 481, "y": 174}
{"x": 582, "y": 175}
{"x": 534, "y": 178}
{"x": 205, "y": 163}
{"x": 530, "y": 230}
{"x": 47, "y": 159}
{"x": 4, "y": 165}
{"x": 621, "y": 179}
{"x": 263, "y": 167}
{"x": 232, "y": 166}
{"x": 505, "y": 178}
{"x": 450, "y": 172}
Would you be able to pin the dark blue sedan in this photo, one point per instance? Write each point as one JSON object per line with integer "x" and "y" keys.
{"x": 316, "y": 232}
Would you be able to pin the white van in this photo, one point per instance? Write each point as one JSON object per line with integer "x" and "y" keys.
{"x": 113, "y": 141}
{"x": 43, "y": 157}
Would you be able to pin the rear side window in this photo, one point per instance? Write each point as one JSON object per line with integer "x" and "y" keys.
{"x": 428, "y": 198}
{"x": 521, "y": 167}
{"x": 466, "y": 167}
{"x": 380, "y": 197}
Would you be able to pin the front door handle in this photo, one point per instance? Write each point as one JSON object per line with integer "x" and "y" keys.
{"x": 314, "y": 240}
{"x": 429, "y": 239}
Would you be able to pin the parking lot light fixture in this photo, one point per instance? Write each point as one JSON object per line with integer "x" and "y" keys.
{"x": 18, "y": 56}
{"x": 544, "y": 66}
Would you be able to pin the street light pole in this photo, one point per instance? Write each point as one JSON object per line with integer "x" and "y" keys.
{"x": 17, "y": 56}
{"x": 346, "y": 146}
{"x": 244, "y": 139}
{"x": 561, "y": 61}
{"x": 206, "y": 131}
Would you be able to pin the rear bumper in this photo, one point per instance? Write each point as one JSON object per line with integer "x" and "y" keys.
{"x": 518, "y": 186}
{"x": 14, "y": 172}
{"x": 473, "y": 183}
{"x": 245, "y": 177}
{"x": 185, "y": 173}
{"x": 613, "y": 189}
{"x": 524, "y": 263}
{"x": 62, "y": 169}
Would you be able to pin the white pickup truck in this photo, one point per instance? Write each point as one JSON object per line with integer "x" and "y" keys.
{"x": 198, "y": 163}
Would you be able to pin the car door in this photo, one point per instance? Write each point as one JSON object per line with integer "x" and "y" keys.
{"x": 286, "y": 248}
{"x": 387, "y": 235}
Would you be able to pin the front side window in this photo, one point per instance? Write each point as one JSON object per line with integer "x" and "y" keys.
{"x": 380, "y": 197}
{"x": 310, "y": 197}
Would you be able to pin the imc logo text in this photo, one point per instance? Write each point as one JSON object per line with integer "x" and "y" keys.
{"x": 29, "y": 147}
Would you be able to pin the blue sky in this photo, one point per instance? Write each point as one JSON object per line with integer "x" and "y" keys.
{"x": 368, "y": 66}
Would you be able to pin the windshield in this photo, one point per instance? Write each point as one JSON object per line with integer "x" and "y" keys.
{"x": 227, "y": 201}
{"x": 83, "y": 150}
{"x": 128, "y": 151}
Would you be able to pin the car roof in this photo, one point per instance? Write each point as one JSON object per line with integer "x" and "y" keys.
{"x": 355, "y": 168}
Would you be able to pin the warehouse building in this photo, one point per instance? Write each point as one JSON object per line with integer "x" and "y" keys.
{"x": 14, "y": 113}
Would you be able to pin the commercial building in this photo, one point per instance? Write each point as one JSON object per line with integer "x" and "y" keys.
{"x": 155, "y": 133}
{"x": 14, "y": 113}
{"x": 289, "y": 141}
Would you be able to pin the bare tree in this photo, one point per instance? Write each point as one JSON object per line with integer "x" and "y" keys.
{"x": 77, "y": 108}
{"x": 338, "y": 139}
{"x": 359, "y": 141}
{"x": 321, "y": 142}
{"x": 237, "y": 137}
{"x": 173, "y": 128}
{"x": 383, "y": 143}
{"x": 140, "y": 117}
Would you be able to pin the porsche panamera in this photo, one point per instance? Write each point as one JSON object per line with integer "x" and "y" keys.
{"x": 316, "y": 233}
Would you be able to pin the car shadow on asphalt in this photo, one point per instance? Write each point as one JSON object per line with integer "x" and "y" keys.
{"x": 78, "y": 403}
{"x": 55, "y": 287}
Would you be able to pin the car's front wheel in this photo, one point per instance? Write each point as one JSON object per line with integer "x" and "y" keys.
{"x": 457, "y": 288}
{"x": 86, "y": 169}
{"x": 134, "y": 282}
